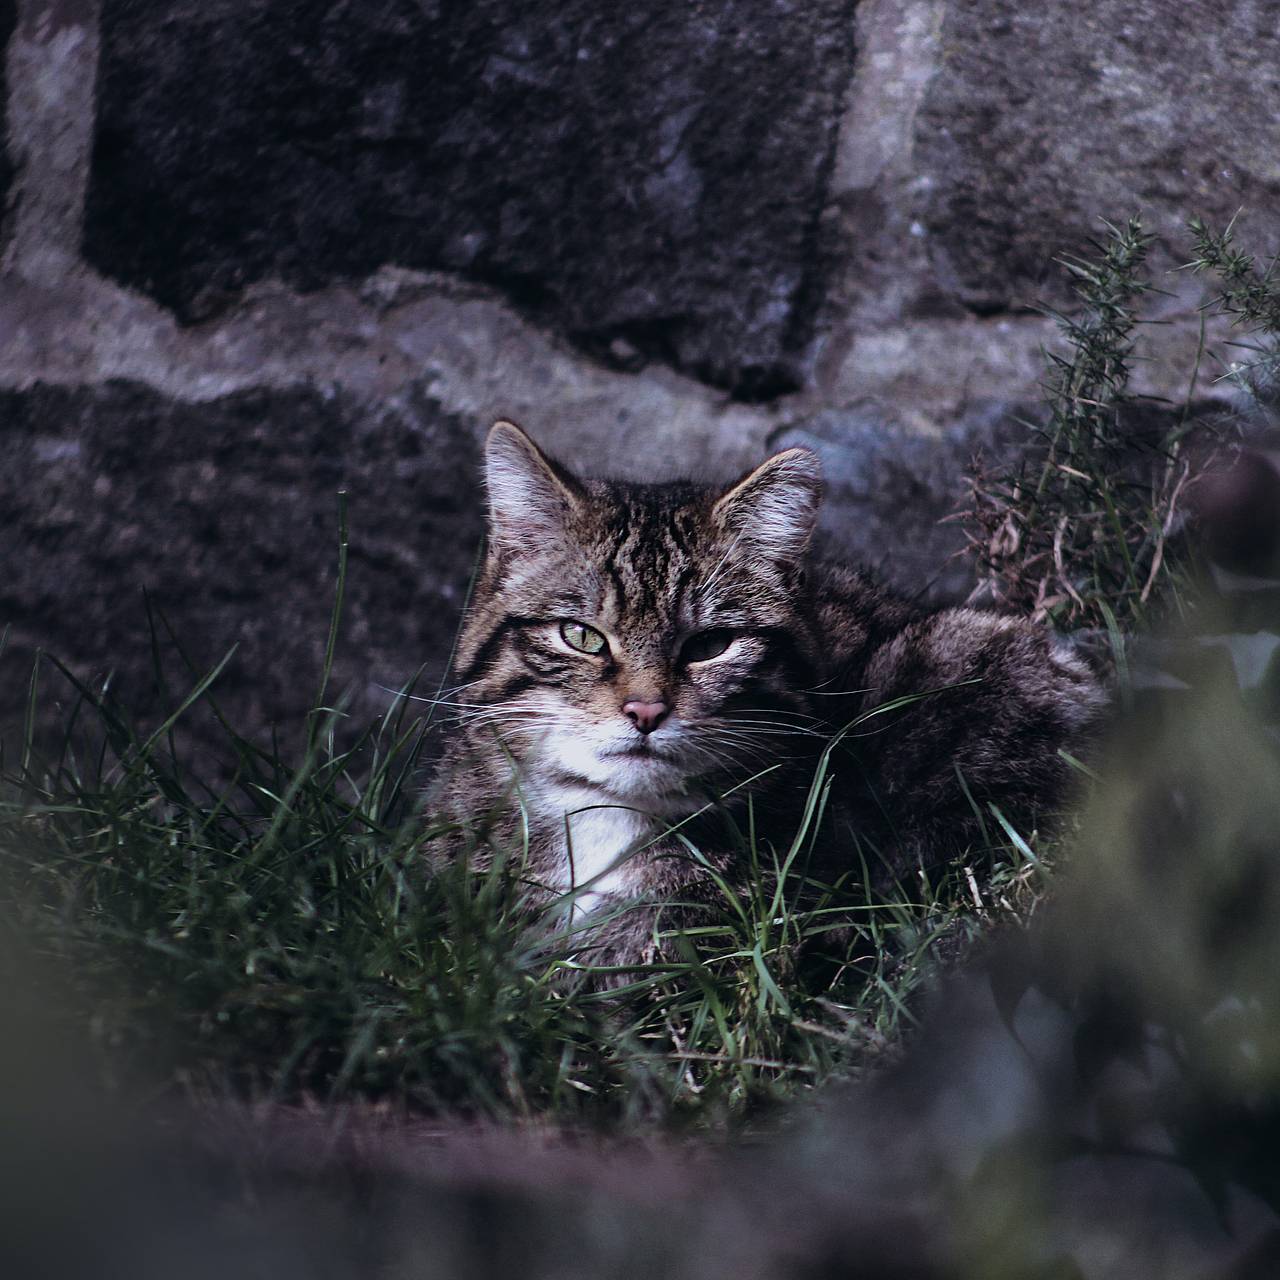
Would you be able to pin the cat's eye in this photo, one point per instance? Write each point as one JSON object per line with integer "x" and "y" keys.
{"x": 584, "y": 639}
{"x": 706, "y": 645}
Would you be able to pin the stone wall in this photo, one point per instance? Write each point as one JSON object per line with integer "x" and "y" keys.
{"x": 255, "y": 252}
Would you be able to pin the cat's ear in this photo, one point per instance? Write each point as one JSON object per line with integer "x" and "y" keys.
{"x": 775, "y": 507}
{"x": 530, "y": 497}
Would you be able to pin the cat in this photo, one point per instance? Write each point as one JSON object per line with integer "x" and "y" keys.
{"x": 649, "y": 667}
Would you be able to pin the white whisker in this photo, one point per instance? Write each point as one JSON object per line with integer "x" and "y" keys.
{"x": 720, "y": 564}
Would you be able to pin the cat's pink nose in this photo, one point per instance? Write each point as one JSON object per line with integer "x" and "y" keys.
{"x": 646, "y": 716}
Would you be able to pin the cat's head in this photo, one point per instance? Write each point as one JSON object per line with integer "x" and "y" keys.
{"x": 647, "y": 641}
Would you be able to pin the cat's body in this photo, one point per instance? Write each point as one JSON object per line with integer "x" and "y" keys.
{"x": 645, "y": 668}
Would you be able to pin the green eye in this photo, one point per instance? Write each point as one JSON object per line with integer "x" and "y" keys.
{"x": 707, "y": 644}
{"x": 582, "y": 638}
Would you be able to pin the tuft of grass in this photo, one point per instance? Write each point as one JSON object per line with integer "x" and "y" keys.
{"x": 291, "y": 934}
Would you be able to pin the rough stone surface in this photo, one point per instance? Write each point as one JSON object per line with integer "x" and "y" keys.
{"x": 51, "y": 63}
{"x": 890, "y": 489}
{"x": 225, "y": 514}
{"x": 469, "y": 351}
{"x": 985, "y": 138}
{"x": 1043, "y": 119}
{"x": 8, "y": 20}
{"x": 648, "y": 177}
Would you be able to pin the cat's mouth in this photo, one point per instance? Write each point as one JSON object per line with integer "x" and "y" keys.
{"x": 637, "y": 751}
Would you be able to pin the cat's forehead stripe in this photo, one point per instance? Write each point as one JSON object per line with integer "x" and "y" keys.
{"x": 642, "y": 558}
{"x": 660, "y": 560}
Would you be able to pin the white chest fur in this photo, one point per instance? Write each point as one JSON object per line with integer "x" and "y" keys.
{"x": 597, "y": 839}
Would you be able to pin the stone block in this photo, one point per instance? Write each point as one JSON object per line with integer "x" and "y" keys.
{"x": 647, "y": 178}
{"x": 1041, "y": 120}
{"x": 224, "y": 513}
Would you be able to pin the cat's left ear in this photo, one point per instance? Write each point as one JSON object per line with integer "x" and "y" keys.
{"x": 775, "y": 507}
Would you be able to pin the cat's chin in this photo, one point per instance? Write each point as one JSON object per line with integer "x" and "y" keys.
{"x": 662, "y": 791}
{"x": 646, "y": 783}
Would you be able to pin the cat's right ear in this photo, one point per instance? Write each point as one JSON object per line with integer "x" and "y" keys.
{"x": 530, "y": 497}
{"x": 775, "y": 507}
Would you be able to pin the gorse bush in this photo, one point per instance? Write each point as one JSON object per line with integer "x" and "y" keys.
{"x": 1077, "y": 533}
{"x": 1249, "y": 295}
{"x": 1083, "y": 530}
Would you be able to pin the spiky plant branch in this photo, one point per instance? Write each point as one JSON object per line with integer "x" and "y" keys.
{"x": 1077, "y": 533}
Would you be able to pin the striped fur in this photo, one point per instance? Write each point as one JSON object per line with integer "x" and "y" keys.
{"x": 707, "y": 605}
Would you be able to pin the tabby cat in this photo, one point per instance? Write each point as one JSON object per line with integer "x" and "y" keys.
{"x": 648, "y": 664}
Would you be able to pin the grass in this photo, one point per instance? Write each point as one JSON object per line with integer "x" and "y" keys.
{"x": 290, "y": 935}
